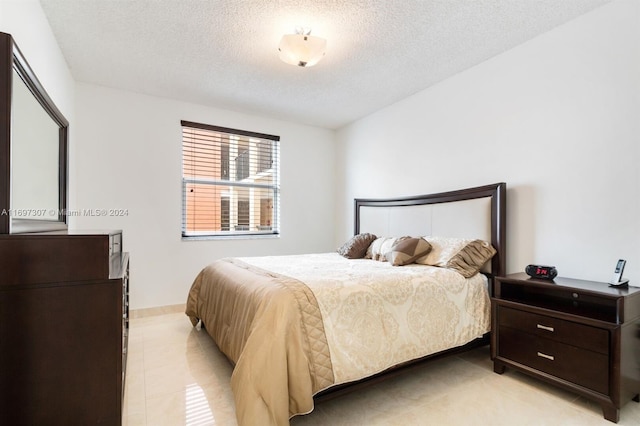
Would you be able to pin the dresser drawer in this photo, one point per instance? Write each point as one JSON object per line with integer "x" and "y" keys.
{"x": 571, "y": 333}
{"x": 583, "y": 367}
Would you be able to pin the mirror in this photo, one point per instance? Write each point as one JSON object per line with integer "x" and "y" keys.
{"x": 33, "y": 149}
{"x": 34, "y": 156}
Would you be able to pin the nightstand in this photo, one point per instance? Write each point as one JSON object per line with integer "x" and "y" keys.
{"x": 581, "y": 335}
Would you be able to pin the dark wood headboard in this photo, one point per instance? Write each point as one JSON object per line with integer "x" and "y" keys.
{"x": 490, "y": 211}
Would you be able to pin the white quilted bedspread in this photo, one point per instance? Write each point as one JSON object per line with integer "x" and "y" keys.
{"x": 376, "y": 315}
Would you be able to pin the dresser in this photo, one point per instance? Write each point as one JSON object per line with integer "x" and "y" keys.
{"x": 580, "y": 335}
{"x": 64, "y": 320}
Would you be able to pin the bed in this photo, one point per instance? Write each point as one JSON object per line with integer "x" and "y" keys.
{"x": 304, "y": 326}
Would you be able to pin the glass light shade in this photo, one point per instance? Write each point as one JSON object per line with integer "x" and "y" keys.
{"x": 302, "y": 50}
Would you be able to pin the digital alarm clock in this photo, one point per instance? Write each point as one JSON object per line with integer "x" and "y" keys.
{"x": 541, "y": 271}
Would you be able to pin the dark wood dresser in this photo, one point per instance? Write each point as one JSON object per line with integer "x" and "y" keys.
{"x": 63, "y": 328}
{"x": 581, "y": 335}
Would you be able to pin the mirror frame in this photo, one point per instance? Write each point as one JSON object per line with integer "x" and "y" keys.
{"x": 12, "y": 59}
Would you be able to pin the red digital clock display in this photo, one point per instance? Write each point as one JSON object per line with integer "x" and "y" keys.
{"x": 541, "y": 271}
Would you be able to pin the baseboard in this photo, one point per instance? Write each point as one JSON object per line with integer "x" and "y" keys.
{"x": 155, "y": 311}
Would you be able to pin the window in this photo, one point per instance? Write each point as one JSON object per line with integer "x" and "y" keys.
{"x": 230, "y": 182}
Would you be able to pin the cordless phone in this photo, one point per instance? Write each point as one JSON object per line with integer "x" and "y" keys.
{"x": 617, "y": 280}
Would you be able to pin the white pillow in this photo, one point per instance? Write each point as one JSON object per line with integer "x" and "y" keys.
{"x": 442, "y": 250}
{"x": 379, "y": 248}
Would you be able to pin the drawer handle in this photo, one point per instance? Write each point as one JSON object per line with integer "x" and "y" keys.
{"x": 549, "y": 357}
{"x": 545, "y": 327}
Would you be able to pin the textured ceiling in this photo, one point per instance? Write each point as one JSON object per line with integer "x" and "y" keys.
{"x": 224, "y": 53}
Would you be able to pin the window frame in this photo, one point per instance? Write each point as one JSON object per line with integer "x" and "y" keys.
{"x": 230, "y": 232}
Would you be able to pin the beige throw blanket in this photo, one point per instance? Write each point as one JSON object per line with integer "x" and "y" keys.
{"x": 270, "y": 326}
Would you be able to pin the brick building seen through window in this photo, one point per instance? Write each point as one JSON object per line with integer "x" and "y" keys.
{"x": 230, "y": 182}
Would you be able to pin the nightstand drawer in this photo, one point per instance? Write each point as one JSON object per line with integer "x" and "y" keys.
{"x": 576, "y": 365}
{"x": 570, "y": 333}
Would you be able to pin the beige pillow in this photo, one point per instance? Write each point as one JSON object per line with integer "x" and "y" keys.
{"x": 357, "y": 246}
{"x": 406, "y": 250}
{"x": 470, "y": 259}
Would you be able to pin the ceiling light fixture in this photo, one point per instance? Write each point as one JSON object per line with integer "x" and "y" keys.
{"x": 301, "y": 48}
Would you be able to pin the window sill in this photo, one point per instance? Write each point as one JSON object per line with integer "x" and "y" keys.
{"x": 230, "y": 237}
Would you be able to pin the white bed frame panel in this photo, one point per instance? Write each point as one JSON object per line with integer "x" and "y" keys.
{"x": 464, "y": 219}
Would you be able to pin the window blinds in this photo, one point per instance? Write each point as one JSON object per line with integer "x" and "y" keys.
{"x": 230, "y": 182}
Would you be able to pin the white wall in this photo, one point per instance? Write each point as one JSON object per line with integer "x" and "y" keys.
{"x": 569, "y": 97}
{"x": 557, "y": 118}
{"x": 129, "y": 157}
{"x": 26, "y": 22}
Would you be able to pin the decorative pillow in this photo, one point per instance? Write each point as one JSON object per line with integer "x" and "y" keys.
{"x": 379, "y": 247}
{"x": 471, "y": 258}
{"x": 406, "y": 250}
{"x": 357, "y": 246}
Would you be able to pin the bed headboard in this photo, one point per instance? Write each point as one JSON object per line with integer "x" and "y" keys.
{"x": 478, "y": 212}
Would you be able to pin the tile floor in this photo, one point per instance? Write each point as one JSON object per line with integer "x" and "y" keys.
{"x": 176, "y": 376}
